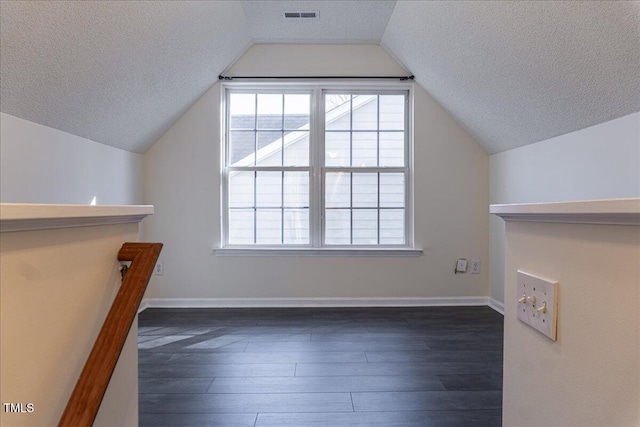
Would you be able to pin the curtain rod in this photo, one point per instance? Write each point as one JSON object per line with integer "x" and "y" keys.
{"x": 402, "y": 78}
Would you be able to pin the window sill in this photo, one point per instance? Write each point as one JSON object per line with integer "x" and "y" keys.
{"x": 314, "y": 252}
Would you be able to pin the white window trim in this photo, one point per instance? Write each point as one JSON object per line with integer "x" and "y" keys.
{"x": 316, "y": 226}
{"x": 318, "y": 252}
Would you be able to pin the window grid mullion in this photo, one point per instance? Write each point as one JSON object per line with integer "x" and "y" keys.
{"x": 351, "y": 164}
{"x": 282, "y": 174}
{"x": 282, "y": 208}
{"x": 378, "y": 133}
{"x": 378, "y": 164}
{"x": 378, "y": 210}
{"x": 363, "y": 130}
{"x": 255, "y": 174}
{"x": 316, "y": 187}
{"x": 282, "y": 132}
{"x": 350, "y": 130}
{"x": 255, "y": 207}
{"x": 367, "y": 169}
{"x": 268, "y": 169}
{"x": 255, "y": 132}
{"x": 358, "y": 208}
{"x": 351, "y": 208}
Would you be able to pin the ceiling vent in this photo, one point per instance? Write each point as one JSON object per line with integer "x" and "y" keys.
{"x": 314, "y": 14}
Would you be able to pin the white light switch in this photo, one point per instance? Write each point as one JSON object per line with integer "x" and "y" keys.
{"x": 538, "y": 303}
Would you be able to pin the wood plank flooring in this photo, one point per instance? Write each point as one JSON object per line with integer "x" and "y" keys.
{"x": 333, "y": 367}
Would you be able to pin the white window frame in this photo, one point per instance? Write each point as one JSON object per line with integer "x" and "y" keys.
{"x": 317, "y": 171}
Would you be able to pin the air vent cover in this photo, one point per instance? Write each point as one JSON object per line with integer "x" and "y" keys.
{"x": 309, "y": 14}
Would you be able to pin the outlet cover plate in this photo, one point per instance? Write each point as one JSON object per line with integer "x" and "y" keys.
{"x": 544, "y": 291}
{"x": 475, "y": 266}
{"x": 159, "y": 269}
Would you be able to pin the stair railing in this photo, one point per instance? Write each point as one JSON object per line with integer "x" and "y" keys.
{"x": 85, "y": 400}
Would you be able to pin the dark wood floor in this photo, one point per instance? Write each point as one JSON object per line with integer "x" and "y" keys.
{"x": 434, "y": 366}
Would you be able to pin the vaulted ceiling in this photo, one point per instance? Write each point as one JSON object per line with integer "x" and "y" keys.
{"x": 511, "y": 73}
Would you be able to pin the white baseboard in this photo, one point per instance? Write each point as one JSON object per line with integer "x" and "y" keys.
{"x": 310, "y": 302}
{"x": 143, "y": 306}
{"x": 496, "y": 305}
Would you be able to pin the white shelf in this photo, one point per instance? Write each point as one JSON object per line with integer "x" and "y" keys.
{"x": 25, "y": 216}
{"x": 611, "y": 211}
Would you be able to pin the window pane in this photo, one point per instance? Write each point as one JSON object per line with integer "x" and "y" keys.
{"x": 296, "y": 226}
{"x": 338, "y": 227}
{"x": 365, "y": 112}
{"x": 365, "y": 149}
{"x": 268, "y": 226}
{"x": 392, "y": 112}
{"x": 392, "y": 190}
{"x": 337, "y": 112}
{"x": 365, "y": 226}
{"x": 296, "y": 148}
{"x": 392, "y": 227}
{"x": 242, "y": 111}
{"x": 273, "y": 206}
{"x": 242, "y": 146}
{"x": 270, "y": 111}
{"x": 269, "y": 148}
{"x": 337, "y": 190}
{"x": 241, "y": 226}
{"x": 337, "y": 149}
{"x": 296, "y": 189}
{"x": 241, "y": 190}
{"x": 269, "y": 189}
{"x": 296, "y": 111}
{"x": 365, "y": 190}
{"x": 392, "y": 149}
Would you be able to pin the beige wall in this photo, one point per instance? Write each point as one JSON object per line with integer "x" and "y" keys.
{"x": 590, "y": 377}
{"x": 39, "y": 164}
{"x": 182, "y": 180}
{"x": 316, "y": 60}
{"x": 599, "y": 162}
{"x": 56, "y": 287}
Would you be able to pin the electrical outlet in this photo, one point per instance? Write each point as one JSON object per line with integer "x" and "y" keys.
{"x": 475, "y": 266}
{"x": 159, "y": 269}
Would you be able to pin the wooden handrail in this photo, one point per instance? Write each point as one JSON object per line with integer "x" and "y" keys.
{"x": 86, "y": 398}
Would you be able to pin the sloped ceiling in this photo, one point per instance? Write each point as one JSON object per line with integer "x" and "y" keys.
{"x": 116, "y": 72}
{"x": 512, "y": 73}
{"x": 518, "y": 72}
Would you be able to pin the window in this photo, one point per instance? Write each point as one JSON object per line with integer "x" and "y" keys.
{"x": 316, "y": 168}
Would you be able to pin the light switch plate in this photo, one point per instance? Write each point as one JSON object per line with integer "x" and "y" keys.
{"x": 534, "y": 293}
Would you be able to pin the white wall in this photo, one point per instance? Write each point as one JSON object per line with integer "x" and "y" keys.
{"x": 44, "y": 165}
{"x": 181, "y": 176}
{"x": 56, "y": 288}
{"x": 599, "y": 162}
{"x": 591, "y": 375}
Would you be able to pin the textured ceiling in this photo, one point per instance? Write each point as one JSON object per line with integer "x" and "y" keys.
{"x": 116, "y": 72}
{"x": 340, "y": 21}
{"x": 515, "y": 73}
{"x": 511, "y": 73}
